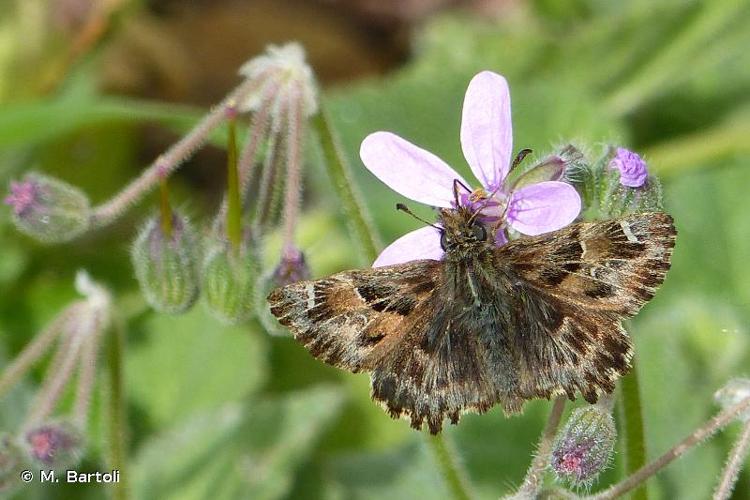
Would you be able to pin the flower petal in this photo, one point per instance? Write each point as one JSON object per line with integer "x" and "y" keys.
{"x": 543, "y": 207}
{"x": 486, "y": 129}
{"x": 423, "y": 243}
{"x": 408, "y": 169}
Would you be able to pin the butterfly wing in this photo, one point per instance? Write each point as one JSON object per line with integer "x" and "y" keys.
{"x": 396, "y": 322}
{"x": 352, "y": 319}
{"x": 537, "y": 317}
{"x": 577, "y": 285}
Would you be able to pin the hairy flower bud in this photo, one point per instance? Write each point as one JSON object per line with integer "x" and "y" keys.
{"x": 229, "y": 276}
{"x": 291, "y": 268}
{"x": 583, "y": 449}
{"x": 732, "y": 393}
{"x": 11, "y": 458}
{"x": 48, "y": 209}
{"x": 551, "y": 168}
{"x": 55, "y": 444}
{"x": 166, "y": 265}
{"x": 286, "y": 68}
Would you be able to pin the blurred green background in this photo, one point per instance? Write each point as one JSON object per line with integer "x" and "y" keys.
{"x": 92, "y": 91}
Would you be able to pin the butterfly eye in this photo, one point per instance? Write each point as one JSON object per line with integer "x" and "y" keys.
{"x": 479, "y": 231}
{"x": 444, "y": 241}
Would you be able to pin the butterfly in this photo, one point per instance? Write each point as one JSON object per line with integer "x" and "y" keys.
{"x": 537, "y": 317}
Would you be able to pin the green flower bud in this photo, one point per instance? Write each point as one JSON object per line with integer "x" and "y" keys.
{"x": 55, "y": 445}
{"x": 11, "y": 459}
{"x": 229, "y": 276}
{"x": 166, "y": 266}
{"x": 551, "y": 168}
{"x": 583, "y": 449}
{"x": 48, "y": 209}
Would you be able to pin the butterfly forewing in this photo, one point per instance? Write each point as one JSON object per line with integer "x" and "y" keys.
{"x": 352, "y": 319}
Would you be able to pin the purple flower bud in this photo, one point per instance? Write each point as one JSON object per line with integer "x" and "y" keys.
{"x": 583, "y": 448}
{"x": 48, "y": 209}
{"x": 166, "y": 266}
{"x": 732, "y": 393}
{"x": 291, "y": 268}
{"x": 633, "y": 171}
{"x": 55, "y": 445}
{"x": 11, "y": 458}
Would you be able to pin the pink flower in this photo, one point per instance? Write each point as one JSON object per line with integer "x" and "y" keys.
{"x": 22, "y": 197}
{"x": 487, "y": 142}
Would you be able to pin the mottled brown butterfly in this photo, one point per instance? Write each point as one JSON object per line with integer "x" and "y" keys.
{"x": 537, "y": 317}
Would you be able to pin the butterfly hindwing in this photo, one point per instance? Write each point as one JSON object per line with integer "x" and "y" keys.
{"x": 590, "y": 276}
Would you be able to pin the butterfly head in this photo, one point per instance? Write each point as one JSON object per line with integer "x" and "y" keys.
{"x": 463, "y": 231}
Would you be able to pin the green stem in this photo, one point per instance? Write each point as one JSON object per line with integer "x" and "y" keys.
{"x": 446, "y": 461}
{"x": 356, "y": 214}
{"x": 234, "y": 210}
{"x": 633, "y": 433}
{"x": 165, "y": 209}
{"x": 117, "y": 420}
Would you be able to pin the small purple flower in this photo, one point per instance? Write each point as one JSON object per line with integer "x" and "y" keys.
{"x": 633, "y": 170}
{"x": 291, "y": 268}
{"x": 22, "y": 196}
{"x": 55, "y": 444}
{"x": 487, "y": 142}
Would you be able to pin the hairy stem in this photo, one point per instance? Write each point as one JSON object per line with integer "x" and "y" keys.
{"x": 734, "y": 465}
{"x": 293, "y": 185}
{"x": 34, "y": 350}
{"x": 705, "y": 431}
{"x": 454, "y": 477}
{"x": 116, "y": 414}
{"x": 63, "y": 366}
{"x": 167, "y": 163}
{"x": 86, "y": 379}
{"x": 355, "y": 212}
{"x": 532, "y": 483}
{"x": 634, "y": 449}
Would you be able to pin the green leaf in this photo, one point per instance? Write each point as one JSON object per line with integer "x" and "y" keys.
{"x": 407, "y": 472}
{"x": 191, "y": 363}
{"x": 239, "y": 451}
{"x": 32, "y": 122}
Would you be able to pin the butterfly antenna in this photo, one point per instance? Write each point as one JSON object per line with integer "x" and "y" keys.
{"x": 519, "y": 158}
{"x": 404, "y": 208}
{"x": 457, "y": 183}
